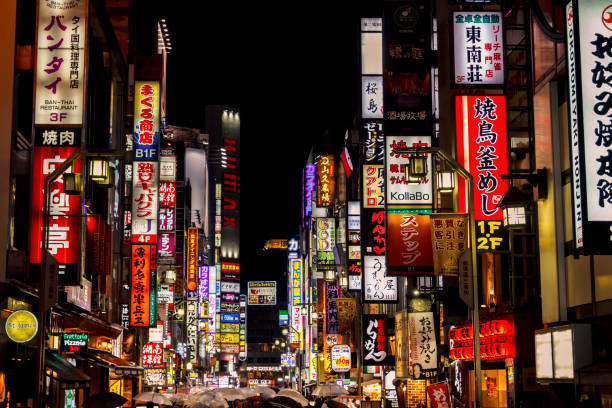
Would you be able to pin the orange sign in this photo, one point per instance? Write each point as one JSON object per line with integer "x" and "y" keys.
{"x": 142, "y": 291}
{"x": 347, "y": 309}
{"x": 326, "y": 185}
{"x": 192, "y": 259}
{"x": 409, "y": 244}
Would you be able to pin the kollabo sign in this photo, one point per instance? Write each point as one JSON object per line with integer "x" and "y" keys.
{"x": 589, "y": 54}
{"x": 21, "y": 326}
{"x": 74, "y": 342}
{"x": 399, "y": 189}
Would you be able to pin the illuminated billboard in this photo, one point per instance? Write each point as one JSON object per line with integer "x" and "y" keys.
{"x": 142, "y": 288}
{"x": 262, "y": 293}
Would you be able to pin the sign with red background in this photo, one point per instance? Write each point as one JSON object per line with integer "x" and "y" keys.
{"x": 142, "y": 290}
{"x": 409, "y": 244}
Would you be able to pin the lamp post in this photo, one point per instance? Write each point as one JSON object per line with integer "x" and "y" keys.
{"x": 419, "y": 165}
{"x": 43, "y": 312}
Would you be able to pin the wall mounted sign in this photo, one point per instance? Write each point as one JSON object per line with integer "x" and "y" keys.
{"x": 21, "y": 326}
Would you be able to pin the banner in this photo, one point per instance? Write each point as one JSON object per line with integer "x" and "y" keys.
{"x": 373, "y": 186}
{"x": 146, "y": 120}
{"x": 376, "y": 330}
{"x": 192, "y": 259}
{"x": 449, "y": 238}
{"x": 326, "y": 182}
{"x": 332, "y": 291}
{"x": 347, "y": 310}
{"x": 402, "y": 345}
{"x": 377, "y": 287}
{"x": 142, "y": 288}
{"x": 409, "y": 244}
{"x": 145, "y": 202}
{"x": 438, "y": 395}
{"x": 423, "y": 345}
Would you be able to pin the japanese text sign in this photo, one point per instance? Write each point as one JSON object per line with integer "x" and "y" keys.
{"x": 377, "y": 287}
{"x": 347, "y": 309}
{"x": 153, "y": 354}
{"x": 146, "y": 120}
{"x": 262, "y": 293}
{"x": 295, "y": 270}
{"x": 191, "y": 322}
{"x": 64, "y": 209}
{"x": 308, "y": 186}
{"x": 373, "y": 232}
{"x": 449, "y": 239}
{"x": 373, "y": 186}
{"x": 204, "y": 283}
{"x": 166, "y": 219}
{"x": 165, "y": 244}
{"x": 589, "y": 52}
{"x": 192, "y": 259}
{"x": 167, "y": 194}
{"x": 341, "y": 358}
{"x": 326, "y": 234}
{"x": 399, "y": 190}
{"x": 155, "y": 377}
{"x": 373, "y": 140}
{"x": 142, "y": 289}
{"x": 144, "y": 202}
{"x": 438, "y": 395}
{"x": 409, "y": 243}
{"x": 372, "y": 97}
{"x": 331, "y": 318}
{"x": 423, "y": 345}
{"x": 479, "y": 48}
{"x": 326, "y": 183}
{"x": 60, "y": 62}
{"x": 376, "y": 340}
{"x": 482, "y": 150}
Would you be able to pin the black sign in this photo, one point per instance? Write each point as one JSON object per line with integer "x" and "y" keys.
{"x": 373, "y": 232}
{"x": 56, "y": 137}
{"x": 376, "y": 330}
{"x": 74, "y": 342}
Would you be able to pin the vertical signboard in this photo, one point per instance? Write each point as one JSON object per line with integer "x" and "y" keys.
{"x": 377, "y": 287}
{"x": 326, "y": 184}
{"x": 142, "y": 288}
{"x": 371, "y": 69}
{"x": 375, "y": 347}
{"x": 449, "y": 241}
{"x": 191, "y": 321}
{"x": 308, "y": 186}
{"x": 407, "y": 57}
{"x": 60, "y": 62}
{"x": 423, "y": 346}
{"x": 52, "y": 148}
{"x": 373, "y": 186}
{"x": 144, "y": 202}
{"x": 146, "y": 120}
{"x": 482, "y": 151}
{"x": 588, "y": 26}
{"x": 192, "y": 259}
{"x": 399, "y": 189}
{"x": 409, "y": 249}
{"x": 479, "y": 48}
{"x": 331, "y": 295}
{"x": 326, "y": 234}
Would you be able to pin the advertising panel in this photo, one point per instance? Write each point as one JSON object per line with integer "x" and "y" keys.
{"x": 64, "y": 222}
{"x": 372, "y": 97}
{"x": 423, "y": 346}
{"x": 373, "y": 141}
{"x": 373, "y": 232}
{"x": 326, "y": 234}
{"x": 191, "y": 322}
{"x": 449, "y": 239}
{"x": 588, "y": 31}
{"x": 347, "y": 310}
{"x": 144, "y": 202}
{"x": 165, "y": 244}
{"x": 326, "y": 181}
{"x": 479, "y": 48}
{"x": 399, "y": 190}
{"x": 60, "y": 62}
{"x": 438, "y": 395}
{"x": 230, "y": 287}
{"x": 377, "y": 287}
{"x": 308, "y": 186}
{"x": 409, "y": 244}
{"x": 74, "y": 342}
{"x": 152, "y": 354}
{"x": 373, "y": 186}
{"x": 262, "y": 293}
{"x": 297, "y": 324}
{"x": 295, "y": 269}
{"x": 167, "y": 218}
{"x": 332, "y": 291}
{"x": 341, "y": 358}
{"x": 146, "y": 120}
{"x": 142, "y": 288}
{"x": 375, "y": 348}
{"x": 192, "y": 259}
{"x": 283, "y": 317}
{"x": 154, "y": 377}
{"x": 167, "y": 193}
{"x": 228, "y": 338}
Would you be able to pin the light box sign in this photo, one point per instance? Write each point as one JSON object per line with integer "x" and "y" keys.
{"x": 74, "y": 342}
{"x": 167, "y": 194}
{"x": 152, "y": 355}
{"x": 373, "y": 186}
{"x": 377, "y": 287}
{"x": 399, "y": 190}
{"x": 482, "y": 151}
{"x": 372, "y": 97}
{"x": 167, "y": 219}
{"x": 341, "y": 358}
{"x": 142, "y": 289}
{"x": 409, "y": 244}
{"x": 479, "y": 48}
{"x": 230, "y": 287}
{"x": 283, "y": 317}
{"x": 423, "y": 345}
{"x": 376, "y": 349}
{"x": 262, "y": 293}
{"x": 60, "y": 62}
{"x": 296, "y": 266}
{"x": 192, "y": 259}
{"x": 146, "y": 120}
{"x": 309, "y": 184}
{"x": 165, "y": 245}
{"x": 373, "y": 140}
{"x": 144, "y": 202}
{"x": 326, "y": 182}
{"x": 590, "y": 102}
{"x": 326, "y": 234}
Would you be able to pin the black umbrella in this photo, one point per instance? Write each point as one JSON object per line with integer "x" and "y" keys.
{"x": 105, "y": 400}
{"x": 335, "y": 404}
{"x": 283, "y": 402}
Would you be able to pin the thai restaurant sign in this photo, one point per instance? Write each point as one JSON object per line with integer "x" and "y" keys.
{"x": 60, "y": 62}
{"x": 588, "y": 31}
{"x": 479, "y": 48}
{"x": 482, "y": 151}
{"x": 142, "y": 289}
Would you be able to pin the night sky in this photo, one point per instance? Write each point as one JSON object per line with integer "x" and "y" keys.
{"x": 292, "y": 70}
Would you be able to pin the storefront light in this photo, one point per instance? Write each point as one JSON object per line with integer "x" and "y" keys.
{"x": 514, "y": 208}
{"x": 418, "y": 166}
{"x": 98, "y": 170}
{"x": 445, "y": 181}
{"x": 73, "y": 183}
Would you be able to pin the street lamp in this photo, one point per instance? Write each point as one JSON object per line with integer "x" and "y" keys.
{"x": 418, "y": 166}
{"x": 514, "y": 208}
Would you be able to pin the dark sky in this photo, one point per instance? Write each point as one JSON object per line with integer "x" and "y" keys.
{"x": 292, "y": 70}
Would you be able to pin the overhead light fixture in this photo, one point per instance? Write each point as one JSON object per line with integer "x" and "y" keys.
{"x": 72, "y": 183}
{"x": 514, "y": 208}
{"x": 98, "y": 170}
{"x": 418, "y": 166}
{"x": 445, "y": 181}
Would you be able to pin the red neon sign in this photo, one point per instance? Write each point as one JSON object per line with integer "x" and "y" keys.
{"x": 496, "y": 340}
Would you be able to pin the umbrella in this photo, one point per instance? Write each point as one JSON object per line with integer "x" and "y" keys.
{"x": 265, "y": 392}
{"x": 293, "y": 394}
{"x": 105, "y": 400}
{"x": 329, "y": 390}
{"x": 335, "y": 404}
{"x": 211, "y": 400}
{"x": 153, "y": 397}
{"x": 230, "y": 394}
{"x": 283, "y": 402}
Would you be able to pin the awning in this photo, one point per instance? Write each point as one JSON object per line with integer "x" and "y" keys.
{"x": 86, "y": 322}
{"x": 66, "y": 373}
{"x": 119, "y": 365}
